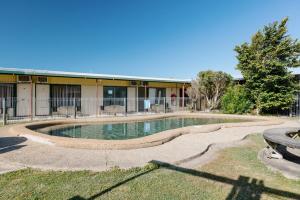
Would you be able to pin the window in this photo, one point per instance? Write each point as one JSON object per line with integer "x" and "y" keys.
{"x": 64, "y": 95}
{"x": 114, "y": 95}
{"x": 7, "y": 92}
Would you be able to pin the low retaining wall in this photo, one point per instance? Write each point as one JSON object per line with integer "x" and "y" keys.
{"x": 283, "y": 136}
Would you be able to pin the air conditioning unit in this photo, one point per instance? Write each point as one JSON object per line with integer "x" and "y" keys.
{"x": 144, "y": 83}
{"x": 42, "y": 79}
{"x": 133, "y": 83}
{"x": 24, "y": 79}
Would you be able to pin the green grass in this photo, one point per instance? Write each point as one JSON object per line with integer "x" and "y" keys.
{"x": 229, "y": 176}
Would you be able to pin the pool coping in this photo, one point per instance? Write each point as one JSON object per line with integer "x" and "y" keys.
{"x": 143, "y": 142}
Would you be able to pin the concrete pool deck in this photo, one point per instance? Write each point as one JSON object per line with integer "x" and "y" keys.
{"x": 16, "y": 153}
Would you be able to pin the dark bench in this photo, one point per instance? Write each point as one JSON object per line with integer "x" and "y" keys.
{"x": 281, "y": 136}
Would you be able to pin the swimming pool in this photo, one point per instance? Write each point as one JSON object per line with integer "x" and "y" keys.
{"x": 128, "y": 130}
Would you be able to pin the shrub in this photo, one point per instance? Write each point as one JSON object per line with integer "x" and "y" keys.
{"x": 236, "y": 101}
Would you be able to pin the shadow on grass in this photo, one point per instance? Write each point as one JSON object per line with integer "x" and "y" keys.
{"x": 243, "y": 188}
{"x": 113, "y": 186}
{"x": 8, "y": 144}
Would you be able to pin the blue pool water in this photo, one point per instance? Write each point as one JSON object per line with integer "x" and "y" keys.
{"x": 128, "y": 130}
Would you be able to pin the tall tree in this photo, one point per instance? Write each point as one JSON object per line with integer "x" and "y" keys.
{"x": 212, "y": 85}
{"x": 265, "y": 63}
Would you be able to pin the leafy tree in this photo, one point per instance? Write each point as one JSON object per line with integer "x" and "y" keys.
{"x": 194, "y": 93}
{"x": 265, "y": 63}
{"x": 212, "y": 85}
{"x": 236, "y": 101}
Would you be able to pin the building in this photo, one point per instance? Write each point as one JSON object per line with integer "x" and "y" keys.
{"x": 30, "y": 92}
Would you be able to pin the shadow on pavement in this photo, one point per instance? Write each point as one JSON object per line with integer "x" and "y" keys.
{"x": 8, "y": 144}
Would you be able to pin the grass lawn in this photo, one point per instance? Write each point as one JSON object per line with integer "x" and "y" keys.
{"x": 236, "y": 174}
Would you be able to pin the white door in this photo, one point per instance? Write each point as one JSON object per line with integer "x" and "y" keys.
{"x": 42, "y": 99}
{"x": 23, "y": 99}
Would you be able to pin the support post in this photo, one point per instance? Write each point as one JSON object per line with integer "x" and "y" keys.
{"x": 164, "y": 104}
{"x": 177, "y": 102}
{"x": 67, "y": 110}
{"x": 125, "y": 107}
{"x": 182, "y": 96}
{"x": 137, "y": 99}
{"x": 145, "y": 97}
{"x": 74, "y": 102}
{"x": 4, "y": 111}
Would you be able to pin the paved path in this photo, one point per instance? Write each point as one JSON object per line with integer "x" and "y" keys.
{"x": 26, "y": 153}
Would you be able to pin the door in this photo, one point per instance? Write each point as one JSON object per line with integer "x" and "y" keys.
{"x": 23, "y": 99}
{"x": 42, "y": 104}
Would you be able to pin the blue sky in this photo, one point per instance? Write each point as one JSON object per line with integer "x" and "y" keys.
{"x": 164, "y": 38}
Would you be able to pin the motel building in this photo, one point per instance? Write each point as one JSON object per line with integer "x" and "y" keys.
{"x": 39, "y": 93}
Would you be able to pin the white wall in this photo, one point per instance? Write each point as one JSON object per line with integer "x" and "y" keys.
{"x": 42, "y": 105}
{"x": 131, "y": 99}
{"x": 33, "y": 98}
{"x": 100, "y": 94}
{"x": 89, "y": 99}
{"x": 168, "y": 95}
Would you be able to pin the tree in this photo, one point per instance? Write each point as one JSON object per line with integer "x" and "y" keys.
{"x": 265, "y": 63}
{"x": 194, "y": 93}
{"x": 236, "y": 100}
{"x": 212, "y": 85}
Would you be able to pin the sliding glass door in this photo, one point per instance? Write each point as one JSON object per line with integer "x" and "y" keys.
{"x": 7, "y": 93}
{"x": 156, "y": 95}
{"x": 114, "y": 95}
{"x": 64, "y": 96}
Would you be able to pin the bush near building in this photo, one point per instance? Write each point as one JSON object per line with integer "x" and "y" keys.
{"x": 236, "y": 101}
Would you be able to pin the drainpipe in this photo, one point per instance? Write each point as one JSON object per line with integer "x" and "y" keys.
{"x": 183, "y": 96}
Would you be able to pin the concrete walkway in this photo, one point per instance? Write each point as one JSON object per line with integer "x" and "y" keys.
{"x": 16, "y": 153}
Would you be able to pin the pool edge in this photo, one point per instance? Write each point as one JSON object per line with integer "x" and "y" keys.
{"x": 143, "y": 142}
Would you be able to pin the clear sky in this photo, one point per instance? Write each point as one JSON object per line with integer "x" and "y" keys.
{"x": 164, "y": 38}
